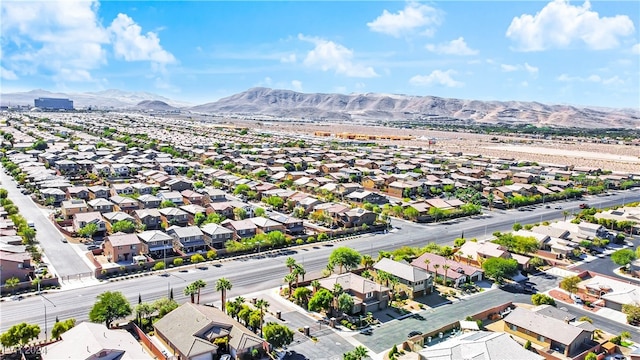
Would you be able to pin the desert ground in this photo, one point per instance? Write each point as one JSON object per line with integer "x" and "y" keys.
{"x": 614, "y": 157}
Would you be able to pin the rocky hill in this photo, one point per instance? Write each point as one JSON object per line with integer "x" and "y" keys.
{"x": 387, "y": 107}
{"x": 154, "y": 105}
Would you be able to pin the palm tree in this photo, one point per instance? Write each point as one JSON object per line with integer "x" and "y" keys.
{"x": 223, "y": 285}
{"x": 490, "y": 198}
{"x": 299, "y": 271}
{"x": 565, "y": 214}
{"x": 291, "y": 262}
{"x": 384, "y": 276}
{"x": 191, "y": 291}
{"x": 427, "y": 262}
{"x": 367, "y": 261}
{"x": 289, "y": 279}
{"x": 446, "y": 268}
{"x": 198, "y": 285}
{"x": 436, "y": 267}
{"x": 315, "y": 284}
{"x": 360, "y": 352}
{"x": 469, "y": 258}
{"x": 262, "y": 305}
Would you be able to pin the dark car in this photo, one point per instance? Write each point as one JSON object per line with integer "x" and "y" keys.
{"x": 367, "y": 331}
{"x": 414, "y": 333}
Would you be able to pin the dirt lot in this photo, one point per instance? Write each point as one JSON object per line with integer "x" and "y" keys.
{"x": 606, "y": 156}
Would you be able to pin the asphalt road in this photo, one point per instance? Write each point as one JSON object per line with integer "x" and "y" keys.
{"x": 254, "y": 274}
{"x": 61, "y": 256}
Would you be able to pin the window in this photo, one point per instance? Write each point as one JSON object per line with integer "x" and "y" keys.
{"x": 541, "y": 338}
{"x": 513, "y": 327}
{"x": 369, "y": 295}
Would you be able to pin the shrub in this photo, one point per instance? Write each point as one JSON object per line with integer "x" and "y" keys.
{"x": 616, "y": 340}
{"x": 310, "y": 240}
{"x": 527, "y": 345}
{"x": 178, "y": 261}
{"x": 299, "y": 242}
{"x": 159, "y": 265}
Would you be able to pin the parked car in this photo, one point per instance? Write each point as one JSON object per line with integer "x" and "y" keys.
{"x": 64, "y": 240}
{"x": 367, "y": 331}
{"x": 584, "y": 206}
{"x": 93, "y": 247}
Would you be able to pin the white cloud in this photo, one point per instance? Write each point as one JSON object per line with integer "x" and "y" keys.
{"x": 415, "y": 17}
{"x": 526, "y": 67}
{"x": 64, "y": 39}
{"x": 614, "y": 80}
{"x": 6, "y": 74}
{"x": 130, "y": 44}
{"x": 559, "y": 25}
{"x": 291, "y": 58}
{"x": 635, "y": 49}
{"x": 296, "y": 85}
{"x": 437, "y": 77}
{"x": 328, "y": 55}
{"x": 453, "y": 47}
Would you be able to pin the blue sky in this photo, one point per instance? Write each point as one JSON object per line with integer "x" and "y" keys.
{"x": 583, "y": 53}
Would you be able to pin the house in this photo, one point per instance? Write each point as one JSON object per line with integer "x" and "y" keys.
{"x": 477, "y": 252}
{"x": 525, "y": 178}
{"x": 150, "y": 218}
{"x": 53, "y": 195}
{"x": 554, "y": 335}
{"x": 192, "y": 210}
{"x": 98, "y": 342}
{"x": 174, "y": 216}
{"x": 457, "y": 272}
{"x": 179, "y": 184}
{"x": 224, "y": 208}
{"x": 98, "y": 191}
{"x": 69, "y": 208}
{"x": 216, "y": 235}
{"x": 215, "y": 195}
{"x": 365, "y": 196}
{"x": 241, "y": 228}
{"x": 189, "y": 238}
{"x": 357, "y": 217}
{"x": 418, "y": 281}
{"x": 192, "y": 197}
{"x": 174, "y": 196}
{"x": 122, "y": 189}
{"x": 478, "y": 345}
{"x": 121, "y": 247}
{"x": 101, "y": 205}
{"x": 125, "y": 204}
{"x": 15, "y": 264}
{"x": 266, "y": 226}
{"x": 78, "y": 192}
{"x": 81, "y": 220}
{"x": 156, "y": 243}
{"x": 367, "y": 294}
{"x": 116, "y": 216}
{"x": 199, "y": 332}
{"x": 148, "y": 201}
{"x": 292, "y": 225}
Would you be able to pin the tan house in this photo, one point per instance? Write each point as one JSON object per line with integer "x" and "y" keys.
{"x": 418, "y": 281}
{"x": 69, "y": 208}
{"x": 367, "y": 295}
{"x": 122, "y": 247}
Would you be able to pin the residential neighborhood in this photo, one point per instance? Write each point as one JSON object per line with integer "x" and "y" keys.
{"x": 133, "y": 201}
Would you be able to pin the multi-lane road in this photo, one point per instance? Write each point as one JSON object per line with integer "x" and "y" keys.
{"x": 257, "y": 273}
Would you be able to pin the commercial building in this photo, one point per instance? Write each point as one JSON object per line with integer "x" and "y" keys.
{"x": 54, "y": 103}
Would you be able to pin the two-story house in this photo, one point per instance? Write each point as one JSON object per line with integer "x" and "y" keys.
{"x": 148, "y": 201}
{"x": 150, "y": 218}
{"x": 173, "y": 196}
{"x": 174, "y": 216}
{"x": 419, "y": 281}
{"x": 241, "y": 228}
{"x": 292, "y": 225}
{"x": 156, "y": 243}
{"x": 179, "y": 184}
{"x": 216, "y": 235}
{"x": 121, "y": 247}
{"x": 125, "y": 204}
{"x": 78, "y": 192}
{"x": 15, "y": 264}
{"x": 81, "y": 220}
{"x": 265, "y": 226}
{"x": 98, "y": 191}
{"x": 192, "y": 197}
{"x": 101, "y": 205}
{"x": 192, "y": 210}
{"x": 69, "y": 208}
{"x": 367, "y": 294}
{"x": 189, "y": 238}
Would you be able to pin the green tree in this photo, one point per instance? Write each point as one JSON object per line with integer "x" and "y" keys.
{"x": 61, "y": 327}
{"x": 542, "y": 299}
{"x": 223, "y": 285}
{"x": 199, "y": 219}
{"x": 290, "y": 263}
{"x": 586, "y": 318}
{"x": 570, "y": 284}
{"x": 517, "y": 226}
{"x": 591, "y": 356}
{"x": 199, "y": 285}
{"x": 259, "y": 212}
{"x": 167, "y": 204}
{"x": 623, "y": 257}
{"x": 197, "y": 258}
{"x": 110, "y": 306}
{"x": 19, "y": 334}
{"x": 240, "y": 213}
{"x": 262, "y": 306}
{"x": 241, "y": 189}
{"x": 499, "y": 268}
{"x": 410, "y": 213}
{"x": 191, "y": 292}
{"x": 345, "y": 303}
{"x": 344, "y": 257}
{"x": 88, "y": 230}
{"x": 321, "y": 300}
{"x": 212, "y": 254}
{"x": 302, "y": 295}
{"x": 12, "y": 282}
{"x": 125, "y": 226}
{"x": 275, "y": 201}
{"x": 277, "y": 335}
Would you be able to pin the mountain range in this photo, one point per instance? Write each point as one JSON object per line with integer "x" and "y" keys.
{"x": 358, "y": 107}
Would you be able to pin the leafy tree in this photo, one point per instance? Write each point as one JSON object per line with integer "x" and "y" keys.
{"x": 517, "y": 226}
{"x": 344, "y": 257}
{"x": 110, "y": 306}
{"x": 345, "y": 303}
{"x": 241, "y": 189}
{"x": 410, "y": 213}
{"x": 88, "y": 230}
{"x": 623, "y": 257}
{"x": 223, "y": 285}
{"x": 160, "y": 265}
{"x": 166, "y": 204}
{"x": 259, "y": 212}
{"x": 459, "y": 242}
{"x": 586, "y": 318}
{"x": 240, "y": 213}
{"x": 199, "y": 219}
{"x": 321, "y": 300}
{"x": 12, "y": 282}
{"x": 197, "y": 258}
{"x": 570, "y": 284}
{"x": 542, "y": 299}
{"x": 499, "y": 268}
{"x": 277, "y": 335}
{"x": 61, "y": 327}
{"x": 591, "y": 356}
{"x": 191, "y": 291}
{"x": 274, "y": 201}
{"x": 302, "y": 295}
{"x": 212, "y": 254}
{"x": 125, "y": 226}
{"x": 19, "y": 334}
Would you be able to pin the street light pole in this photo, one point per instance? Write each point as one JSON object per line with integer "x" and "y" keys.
{"x": 45, "y": 313}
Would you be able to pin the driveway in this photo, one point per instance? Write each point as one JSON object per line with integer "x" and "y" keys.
{"x": 62, "y": 257}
